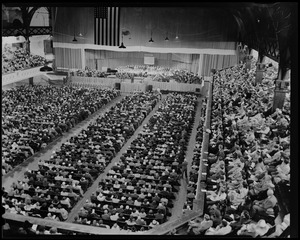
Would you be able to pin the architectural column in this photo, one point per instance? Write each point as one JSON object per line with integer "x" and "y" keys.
{"x": 248, "y": 62}
{"x": 281, "y": 88}
{"x": 260, "y": 69}
{"x": 31, "y": 81}
{"x": 82, "y": 58}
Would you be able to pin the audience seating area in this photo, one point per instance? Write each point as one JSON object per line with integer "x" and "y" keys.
{"x": 249, "y": 154}
{"x": 51, "y": 191}
{"x": 139, "y": 190}
{"x": 19, "y": 59}
{"x": 247, "y": 169}
{"x": 18, "y": 229}
{"x": 34, "y": 116}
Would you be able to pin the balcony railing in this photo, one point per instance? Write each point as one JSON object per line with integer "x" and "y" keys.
{"x": 20, "y": 75}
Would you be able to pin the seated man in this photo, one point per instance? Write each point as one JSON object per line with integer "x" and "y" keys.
{"x": 222, "y": 229}
{"x": 263, "y": 205}
{"x": 197, "y": 227}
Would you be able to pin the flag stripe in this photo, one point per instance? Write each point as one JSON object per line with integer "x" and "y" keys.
{"x": 115, "y": 23}
{"x": 95, "y": 30}
{"x": 112, "y": 24}
{"x": 118, "y": 33}
{"x": 102, "y": 31}
{"x": 107, "y": 26}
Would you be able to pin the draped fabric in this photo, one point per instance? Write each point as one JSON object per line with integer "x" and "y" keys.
{"x": 217, "y": 62}
{"x": 68, "y": 58}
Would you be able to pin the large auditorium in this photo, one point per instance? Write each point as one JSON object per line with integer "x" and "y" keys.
{"x": 167, "y": 119}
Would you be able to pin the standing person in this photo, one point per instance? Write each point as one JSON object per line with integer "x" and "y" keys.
{"x": 184, "y": 169}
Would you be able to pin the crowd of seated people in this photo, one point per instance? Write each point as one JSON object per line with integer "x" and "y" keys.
{"x": 138, "y": 191}
{"x": 194, "y": 172}
{"x": 19, "y": 59}
{"x": 33, "y": 116}
{"x": 90, "y": 73}
{"x": 51, "y": 191}
{"x": 249, "y": 154}
{"x": 157, "y": 73}
{"x": 18, "y": 229}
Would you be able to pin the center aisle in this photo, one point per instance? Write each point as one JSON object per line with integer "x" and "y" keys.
{"x": 93, "y": 188}
{"x": 181, "y": 197}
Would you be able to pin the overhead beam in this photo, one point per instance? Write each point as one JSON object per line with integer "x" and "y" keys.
{"x": 12, "y": 32}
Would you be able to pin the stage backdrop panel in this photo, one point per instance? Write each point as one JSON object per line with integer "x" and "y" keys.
{"x": 68, "y": 58}
{"x": 196, "y": 63}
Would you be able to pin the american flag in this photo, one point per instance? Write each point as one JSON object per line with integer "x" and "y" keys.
{"x": 107, "y": 26}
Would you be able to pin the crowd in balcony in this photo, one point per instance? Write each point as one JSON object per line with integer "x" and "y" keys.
{"x": 19, "y": 59}
{"x": 249, "y": 158}
{"x": 34, "y": 116}
{"x": 137, "y": 193}
{"x": 51, "y": 191}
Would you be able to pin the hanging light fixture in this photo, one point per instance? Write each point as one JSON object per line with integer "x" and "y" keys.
{"x": 74, "y": 39}
{"x": 122, "y": 44}
{"x": 167, "y": 39}
{"x": 151, "y": 40}
{"x": 46, "y": 68}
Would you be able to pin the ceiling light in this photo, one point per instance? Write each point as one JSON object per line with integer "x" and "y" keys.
{"x": 122, "y": 44}
{"x": 151, "y": 40}
{"x": 167, "y": 39}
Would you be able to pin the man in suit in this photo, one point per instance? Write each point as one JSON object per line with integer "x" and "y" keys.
{"x": 263, "y": 205}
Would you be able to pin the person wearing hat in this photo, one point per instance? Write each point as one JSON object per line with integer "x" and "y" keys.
{"x": 153, "y": 224}
{"x": 263, "y": 205}
{"x": 261, "y": 228}
{"x": 184, "y": 171}
{"x": 115, "y": 227}
{"x": 279, "y": 229}
{"x": 222, "y": 229}
{"x": 106, "y": 215}
{"x": 53, "y": 231}
{"x": 130, "y": 221}
{"x": 198, "y": 227}
{"x": 27, "y": 226}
